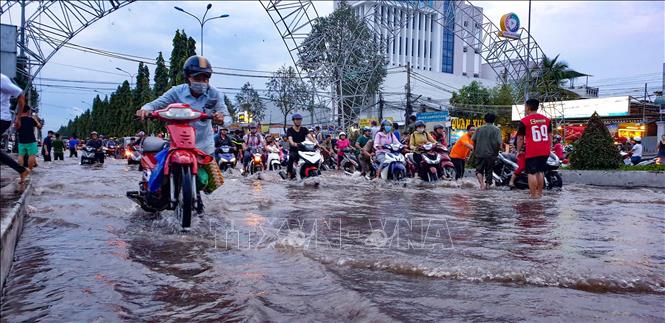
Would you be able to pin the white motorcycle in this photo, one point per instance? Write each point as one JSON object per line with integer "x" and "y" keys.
{"x": 393, "y": 166}
{"x": 309, "y": 161}
{"x": 274, "y": 162}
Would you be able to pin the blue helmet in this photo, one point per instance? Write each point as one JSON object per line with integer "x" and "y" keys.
{"x": 296, "y": 116}
{"x": 386, "y": 123}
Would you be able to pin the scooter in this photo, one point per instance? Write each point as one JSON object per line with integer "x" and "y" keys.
{"x": 429, "y": 169}
{"x": 447, "y": 165}
{"x": 273, "y": 160}
{"x": 309, "y": 161}
{"x": 393, "y": 166}
{"x": 133, "y": 155}
{"x": 349, "y": 162}
{"x": 110, "y": 149}
{"x": 89, "y": 156}
{"x": 174, "y": 185}
{"x": 226, "y": 158}
{"x": 506, "y": 164}
{"x": 256, "y": 163}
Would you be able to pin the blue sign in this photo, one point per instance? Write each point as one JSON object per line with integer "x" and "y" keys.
{"x": 439, "y": 116}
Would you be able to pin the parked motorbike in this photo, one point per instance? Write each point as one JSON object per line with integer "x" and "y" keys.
{"x": 506, "y": 164}
{"x": 273, "y": 160}
{"x": 226, "y": 158}
{"x": 393, "y": 166}
{"x": 89, "y": 156}
{"x": 349, "y": 162}
{"x": 309, "y": 161}
{"x": 177, "y": 190}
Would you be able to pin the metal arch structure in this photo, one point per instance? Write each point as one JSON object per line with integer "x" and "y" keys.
{"x": 51, "y": 24}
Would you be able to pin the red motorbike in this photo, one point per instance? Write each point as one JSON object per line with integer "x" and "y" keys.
{"x": 434, "y": 163}
{"x": 175, "y": 188}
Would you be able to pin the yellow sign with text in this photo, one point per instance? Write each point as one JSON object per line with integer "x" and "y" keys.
{"x": 462, "y": 123}
{"x": 367, "y": 122}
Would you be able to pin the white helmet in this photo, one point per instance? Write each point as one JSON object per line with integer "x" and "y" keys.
{"x": 341, "y": 134}
{"x": 638, "y": 138}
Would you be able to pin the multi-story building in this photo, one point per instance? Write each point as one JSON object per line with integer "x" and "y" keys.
{"x": 440, "y": 62}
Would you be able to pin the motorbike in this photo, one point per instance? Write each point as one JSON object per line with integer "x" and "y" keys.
{"x": 429, "y": 169}
{"x": 110, "y": 149}
{"x": 133, "y": 154}
{"x": 256, "y": 162}
{"x": 226, "y": 158}
{"x": 273, "y": 160}
{"x": 393, "y": 166}
{"x": 310, "y": 160}
{"x": 349, "y": 162}
{"x": 177, "y": 189}
{"x": 506, "y": 164}
{"x": 89, "y": 156}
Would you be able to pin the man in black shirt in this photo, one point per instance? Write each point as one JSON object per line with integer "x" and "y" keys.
{"x": 96, "y": 143}
{"x": 295, "y": 136}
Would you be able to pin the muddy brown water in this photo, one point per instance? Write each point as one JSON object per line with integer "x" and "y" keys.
{"x": 347, "y": 250}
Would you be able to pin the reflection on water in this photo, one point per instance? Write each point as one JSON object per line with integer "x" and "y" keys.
{"x": 347, "y": 250}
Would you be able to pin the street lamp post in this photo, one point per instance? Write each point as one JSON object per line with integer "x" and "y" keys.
{"x": 131, "y": 76}
{"x": 203, "y": 20}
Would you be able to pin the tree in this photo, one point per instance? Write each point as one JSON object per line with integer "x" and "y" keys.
{"x": 183, "y": 48}
{"x": 344, "y": 53}
{"x": 552, "y": 76}
{"x": 595, "y": 149}
{"x": 248, "y": 100}
{"x": 472, "y": 94}
{"x": 233, "y": 110}
{"x": 161, "y": 76}
{"x": 287, "y": 90}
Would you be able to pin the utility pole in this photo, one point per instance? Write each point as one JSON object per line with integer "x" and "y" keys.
{"x": 644, "y": 104}
{"x": 528, "y": 54}
{"x": 409, "y": 108}
{"x": 381, "y": 102}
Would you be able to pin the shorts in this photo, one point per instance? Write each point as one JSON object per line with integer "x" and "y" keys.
{"x": 30, "y": 149}
{"x": 535, "y": 165}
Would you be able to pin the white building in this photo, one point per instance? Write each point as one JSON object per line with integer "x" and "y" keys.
{"x": 440, "y": 62}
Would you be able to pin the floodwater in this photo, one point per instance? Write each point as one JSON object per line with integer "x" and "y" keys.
{"x": 347, "y": 250}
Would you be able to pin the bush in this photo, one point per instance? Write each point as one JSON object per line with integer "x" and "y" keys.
{"x": 595, "y": 149}
{"x": 651, "y": 168}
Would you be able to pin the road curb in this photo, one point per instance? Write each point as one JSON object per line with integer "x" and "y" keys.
{"x": 615, "y": 178}
{"x": 11, "y": 228}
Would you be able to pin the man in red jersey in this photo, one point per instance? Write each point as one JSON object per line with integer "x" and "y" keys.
{"x": 533, "y": 134}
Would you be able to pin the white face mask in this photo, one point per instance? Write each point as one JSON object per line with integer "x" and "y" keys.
{"x": 198, "y": 87}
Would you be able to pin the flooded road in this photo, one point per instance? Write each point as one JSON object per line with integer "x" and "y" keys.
{"x": 348, "y": 250}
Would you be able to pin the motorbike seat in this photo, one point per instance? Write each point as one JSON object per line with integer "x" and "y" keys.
{"x": 153, "y": 144}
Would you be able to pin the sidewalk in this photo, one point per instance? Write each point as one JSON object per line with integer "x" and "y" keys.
{"x": 10, "y": 191}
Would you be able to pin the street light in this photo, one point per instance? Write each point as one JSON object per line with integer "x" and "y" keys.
{"x": 130, "y": 75}
{"x": 203, "y": 20}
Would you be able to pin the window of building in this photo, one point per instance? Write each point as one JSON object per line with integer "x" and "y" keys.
{"x": 413, "y": 44}
{"x": 400, "y": 45}
{"x": 448, "y": 44}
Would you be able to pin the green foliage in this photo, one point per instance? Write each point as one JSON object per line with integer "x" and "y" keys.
{"x": 553, "y": 75}
{"x": 233, "y": 110}
{"x": 650, "y": 168}
{"x": 183, "y": 48}
{"x": 595, "y": 149}
{"x": 248, "y": 100}
{"x": 287, "y": 90}
{"x": 161, "y": 76}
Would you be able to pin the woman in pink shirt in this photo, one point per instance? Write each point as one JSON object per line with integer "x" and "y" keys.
{"x": 342, "y": 143}
{"x": 385, "y": 136}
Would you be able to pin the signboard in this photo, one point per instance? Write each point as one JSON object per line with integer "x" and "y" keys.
{"x": 367, "y": 122}
{"x": 438, "y": 116}
{"x": 578, "y": 109}
{"x": 510, "y": 26}
{"x": 462, "y": 123}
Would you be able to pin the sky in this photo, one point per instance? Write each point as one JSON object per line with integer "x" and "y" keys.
{"x": 620, "y": 43}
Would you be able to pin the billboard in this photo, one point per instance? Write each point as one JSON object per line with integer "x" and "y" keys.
{"x": 617, "y": 106}
{"x": 438, "y": 116}
{"x": 8, "y": 50}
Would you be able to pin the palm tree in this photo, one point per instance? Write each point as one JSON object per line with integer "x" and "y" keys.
{"x": 552, "y": 75}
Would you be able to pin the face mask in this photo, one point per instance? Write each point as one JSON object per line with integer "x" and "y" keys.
{"x": 421, "y": 129}
{"x": 198, "y": 87}
{"x": 388, "y": 128}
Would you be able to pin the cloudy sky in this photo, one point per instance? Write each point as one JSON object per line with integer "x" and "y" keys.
{"x": 620, "y": 43}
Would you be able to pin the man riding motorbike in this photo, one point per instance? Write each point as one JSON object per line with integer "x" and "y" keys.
{"x": 253, "y": 142}
{"x": 223, "y": 139}
{"x": 296, "y": 135}
{"x": 199, "y": 95}
{"x": 439, "y": 135}
{"x": 96, "y": 143}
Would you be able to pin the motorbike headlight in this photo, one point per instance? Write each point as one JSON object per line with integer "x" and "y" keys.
{"x": 233, "y": 160}
{"x": 257, "y": 159}
{"x": 180, "y": 114}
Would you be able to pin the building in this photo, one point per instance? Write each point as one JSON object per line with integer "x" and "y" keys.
{"x": 439, "y": 61}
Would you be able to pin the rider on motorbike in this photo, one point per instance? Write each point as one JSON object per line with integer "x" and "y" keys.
{"x": 384, "y": 136}
{"x": 296, "y": 135}
{"x": 199, "y": 95}
{"x": 439, "y": 135}
{"x": 223, "y": 139}
{"x": 342, "y": 143}
{"x": 253, "y": 141}
{"x": 96, "y": 143}
{"x": 417, "y": 139}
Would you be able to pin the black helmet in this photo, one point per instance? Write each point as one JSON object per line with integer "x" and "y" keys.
{"x": 296, "y": 116}
{"x": 252, "y": 125}
{"x": 195, "y": 65}
{"x": 419, "y": 123}
{"x": 438, "y": 126}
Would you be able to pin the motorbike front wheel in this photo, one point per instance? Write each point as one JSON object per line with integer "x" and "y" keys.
{"x": 554, "y": 181}
{"x": 184, "y": 196}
